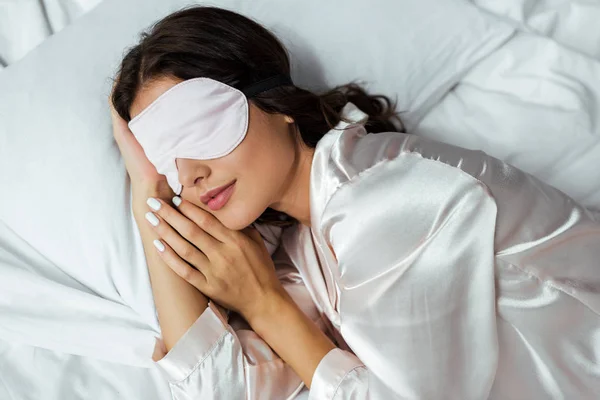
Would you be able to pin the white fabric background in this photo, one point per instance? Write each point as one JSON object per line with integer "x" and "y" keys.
{"x": 532, "y": 102}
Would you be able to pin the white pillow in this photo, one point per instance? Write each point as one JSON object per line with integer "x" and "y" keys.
{"x": 73, "y": 273}
{"x": 25, "y": 24}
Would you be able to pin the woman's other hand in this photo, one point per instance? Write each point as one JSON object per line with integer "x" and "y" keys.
{"x": 143, "y": 175}
{"x": 230, "y": 267}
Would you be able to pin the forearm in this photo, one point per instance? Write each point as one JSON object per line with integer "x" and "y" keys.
{"x": 178, "y": 303}
{"x": 292, "y": 335}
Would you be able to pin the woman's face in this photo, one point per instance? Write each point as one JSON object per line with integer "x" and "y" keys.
{"x": 258, "y": 168}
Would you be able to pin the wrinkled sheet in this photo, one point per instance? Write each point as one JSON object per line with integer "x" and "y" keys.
{"x": 535, "y": 101}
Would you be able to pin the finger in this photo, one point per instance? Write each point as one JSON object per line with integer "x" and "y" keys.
{"x": 184, "y": 249}
{"x": 120, "y": 123}
{"x": 127, "y": 142}
{"x": 123, "y": 135}
{"x": 179, "y": 266}
{"x": 115, "y": 116}
{"x": 205, "y": 220}
{"x": 186, "y": 227}
{"x": 120, "y": 126}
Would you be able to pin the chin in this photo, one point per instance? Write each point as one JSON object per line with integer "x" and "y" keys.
{"x": 235, "y": 222}
{"x": 233, "y": 226}
{"x": 237, "y": 218}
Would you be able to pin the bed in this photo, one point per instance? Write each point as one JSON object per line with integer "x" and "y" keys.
{"x": 76, "y": 311}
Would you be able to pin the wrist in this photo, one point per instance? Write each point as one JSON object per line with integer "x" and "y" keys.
{"x": 274, "y": 306}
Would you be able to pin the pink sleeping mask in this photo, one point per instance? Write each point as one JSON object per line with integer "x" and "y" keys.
{"x": 199, "y": 119}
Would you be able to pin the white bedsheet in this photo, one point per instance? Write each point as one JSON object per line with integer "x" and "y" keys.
{"x": 531, "y": 84}
{"x": 31, "y": 373}
{"x": 572, "y": 23}
{"x": 34, "y": 373}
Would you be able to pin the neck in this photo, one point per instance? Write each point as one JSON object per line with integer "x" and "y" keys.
{"x": 295, "y": 200}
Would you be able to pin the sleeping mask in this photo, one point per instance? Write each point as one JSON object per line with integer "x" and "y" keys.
{"x": 199, "y": 118}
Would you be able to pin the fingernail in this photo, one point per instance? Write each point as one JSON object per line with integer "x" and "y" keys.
{"x": 159, "y": 246}
{"x": 152, "y": 218}
{"x": 153, "y": 203}
{"x": 177, "y": 201}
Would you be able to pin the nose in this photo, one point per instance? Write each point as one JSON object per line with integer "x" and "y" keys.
{"x": 191, "y": 172}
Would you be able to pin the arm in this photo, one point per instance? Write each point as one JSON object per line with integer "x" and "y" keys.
{"x": 292, "y": 335}
{"x": 215, "y": 359}
{"x": 178, "y": 303}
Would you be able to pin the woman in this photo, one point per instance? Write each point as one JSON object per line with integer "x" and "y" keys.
{"x": 434, "y": 271}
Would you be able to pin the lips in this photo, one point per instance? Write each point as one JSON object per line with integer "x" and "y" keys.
{"x": 206, "y": 197}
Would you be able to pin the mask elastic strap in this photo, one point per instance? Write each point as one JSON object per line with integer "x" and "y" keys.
{"x": 267, "y": 84}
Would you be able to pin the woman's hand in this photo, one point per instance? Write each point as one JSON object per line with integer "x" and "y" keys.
{"x": 143, "y": 175}
{"x": 230, "y": 267}
{"x": 234, "y": 268}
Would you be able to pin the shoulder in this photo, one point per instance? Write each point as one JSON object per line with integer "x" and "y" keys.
{"x": 407, "y": 187}
{"x": 353, "y": 164}
{"x": 355, "y": 173}
{"x": 393, "y": 184}
{"x": 348, "y": 152}
{"x": 391, "y": 217}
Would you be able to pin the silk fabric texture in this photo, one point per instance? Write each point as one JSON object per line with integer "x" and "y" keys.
{"x": 455, "y": 276}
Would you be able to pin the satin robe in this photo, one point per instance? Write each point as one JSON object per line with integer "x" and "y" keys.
{"x": 440, "y": 273}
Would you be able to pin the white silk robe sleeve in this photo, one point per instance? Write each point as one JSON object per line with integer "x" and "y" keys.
{"x": 416, "y": 285}
{"x": 220, "y": 359}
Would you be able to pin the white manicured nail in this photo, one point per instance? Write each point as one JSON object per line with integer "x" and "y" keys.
{"x": 177, "y": 201}
{"x": 152, "y": 218}
{"x": 153, "y": 203}
{"x": 159, "y": 246}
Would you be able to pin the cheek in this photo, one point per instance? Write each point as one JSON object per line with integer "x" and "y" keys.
{"x": 263, "y": 175}
{"x": 253, "y": 162}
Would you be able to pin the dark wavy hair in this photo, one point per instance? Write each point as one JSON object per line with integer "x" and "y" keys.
{"x": 225, "y": 46}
